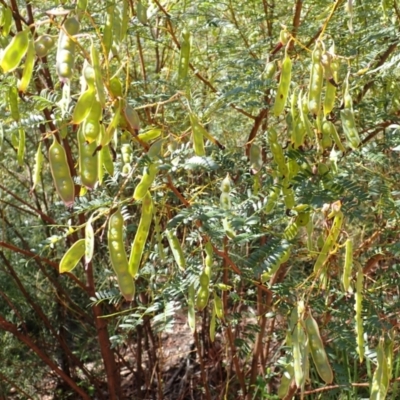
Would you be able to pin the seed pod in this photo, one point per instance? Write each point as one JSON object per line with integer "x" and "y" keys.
{"x": 83, "y": 106}
{"x": 329, "y": 242}
{"x": 288, "y": 194}
{"x": 272, "y": 198}
{"x": 218, "y": 306}
{"x": 277, "y": 152}
{"x": 286, "y": 381}
{"x": 191, "y": 310}
{"x": 106, "y": 160}
{"x": 300, "y": 350}
{"x": 13, "y": 103}
{"x": 316, "y": 80}
{"x": 115, "y": 87}
{"x": 328, "y": 128}
{"x": 28, "y": 68}
{"x": 348, "y": 263}
{"x": 184, "y": 57}
{"x": 81, "y": 6}
{"x": 212, "y": 324}
{"x": 88, "y": 161}
{"x": 284, "y": 84}
{"x": 209, "y": 259}
{"x": 15, "y": 51}
{"x": 7, "y": 21}
{"x": 37, "y": 167}
{"x": 197, "y": 136}
{"x": 225, "y": 201}
{"x": 108, "y": 29}
{"x": 89, "y": 241}
{"x": 149, "y": 174}
{"x": 380, "y": 379}
{"x": 65, "y": 59}
{"x": 349, "y": 128}
{"x": 317, "y": 350}
{"x": 141, "y": 234}
{"x": 118, "y": 256}
{"x": 150, "y": 135}
{"x": 21, "y": 146}
{"x": 101, "y": 93}
{"x": 43, "y": 44}
{"x": 91, "y": 125}
{"x": 347, "y": 117}
{"x": 176, "y": 249}
{"x": 72, "y": 256}
{"x": 331, "y": 66}
{"x": 62, "y": 178}
{"x": 255, "y": 158}
{"x": 358, "y": 309}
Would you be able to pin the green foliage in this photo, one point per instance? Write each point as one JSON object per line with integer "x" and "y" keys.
{"x": 248, "y": 193}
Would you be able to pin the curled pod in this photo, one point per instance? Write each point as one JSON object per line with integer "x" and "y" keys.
{"x": 15, "y": 51}
{"x": 141, "y": 234}
{"x": 61, "y": 174}
{"x": 65, "y": 59}
{"x": 149, "y": 174}
{"x": 88, "y": 161}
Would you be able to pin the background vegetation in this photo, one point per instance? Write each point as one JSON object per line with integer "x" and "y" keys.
{"x": 73, "y": 335}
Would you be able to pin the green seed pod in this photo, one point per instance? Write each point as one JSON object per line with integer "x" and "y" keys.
{"x": 284, "y": 84}
{"x": 255, "y": 157}
{"x": 89, "y": 241}
{"x": 349, "y": 128}
{"x": 61, "y": 174}
{"x": 226, "y": 184}
{"x": 219, "y": 306}
{"x": 176, "y": 249}
{"x": 328, "y": 128}
{"x": 348, "y": 263}
{"x": 37, "y": 169}
{"x": 65, "y": 59}
{"x": 7, "y": 21}
{"x": 15, "y": 51}
{"x": 118, "y": 256}
{"x": 106, "y": 160}
{"x": 225, "y": 201}
{"x": 191, "y": 310}
{"x": 150, "y": 135}
{"x": 317, "y": 350}
{"x": 316, "y": 81}
{"x": 330, "y": 242}
{"x": 88, "y": 161}
{"x": 149, "y": 174}
{"x": 130, "y": 119}
{"x": 358, "y": 309}
{"x": 115, "y": 87}
{"x": 21, "y": 146}
{"x": 28, "y": 68}
{"x": 141, "y": 234}
{"x": 13, "y": 103}
{"x": 83, "y": 106}
{"x": 101, "y": 94}
{"x": 43, "y": 44}
{"x": 184, "y": 57}
{"x": 108, "y": 29}
{"x": 272, "y": 198}
{"x": 72, "y": 256}
{"x": 91, "y": 126}
{"x": 197, "y": 136}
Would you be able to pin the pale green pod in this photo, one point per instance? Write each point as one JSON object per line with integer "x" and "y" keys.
{"x": 72, "y": 257}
